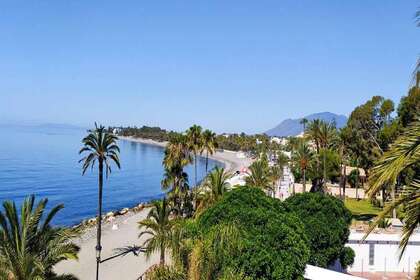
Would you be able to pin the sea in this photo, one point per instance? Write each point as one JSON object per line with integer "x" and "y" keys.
{"x": 44, "y": 160}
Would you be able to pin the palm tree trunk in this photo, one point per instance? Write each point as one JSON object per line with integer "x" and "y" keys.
{"x": 344, "y": 182}
{"x": 325, "y": 171}
{"x": 207, "y": 160}
{"x": 99, "y": 218}
{"x": 162, "y": 254}
{"x": 195, "y": 168}
{"x": 304, "y": 180}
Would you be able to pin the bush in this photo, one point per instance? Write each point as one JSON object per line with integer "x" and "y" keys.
{"x": 347, "y": 257}
{"x": 163, "y": 272}
{"x": 326, "y": 221}
{"x": 274, "y": 243}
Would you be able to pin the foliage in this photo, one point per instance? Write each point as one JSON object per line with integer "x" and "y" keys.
{"x": 403, "y": 154}
{"x": 29, "y": 245}
{"x": 384, "y": 223}
{"x": 347, "y": 257}
{"x": 409, "y": 108}
{"x": 209, "y": 144}
{"x": 214, "y": 187}
{"x": 301, "y": 158}
{"x": 274, "y": 244}
{"x": 163, "y": 272}
{"x": 146, "y": 132}
{"x": 326, "y": 221}
{"x": 259, "y": 176}
{"x": 159, "y": 228}
{"x": 417, "y": 272}
{"x": 195, "y": 145}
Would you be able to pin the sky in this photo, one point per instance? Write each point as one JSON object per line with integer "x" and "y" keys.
{"x": 230, "y": 66}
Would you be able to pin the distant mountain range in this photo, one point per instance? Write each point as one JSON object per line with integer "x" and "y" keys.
{"x": 293, "y": 127}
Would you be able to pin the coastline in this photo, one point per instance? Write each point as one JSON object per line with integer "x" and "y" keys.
{"x": 231, "y": 160}
{"x": 122, "y": 231}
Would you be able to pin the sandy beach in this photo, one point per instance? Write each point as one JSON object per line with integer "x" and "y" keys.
{"x": 125, "y": 233}
{"x": 233, "y": 161}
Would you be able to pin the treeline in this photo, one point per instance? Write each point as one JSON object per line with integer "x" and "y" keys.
{"x": 146, "y": 132}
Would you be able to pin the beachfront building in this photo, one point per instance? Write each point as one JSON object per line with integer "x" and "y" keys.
{"x": 378, "y": 255}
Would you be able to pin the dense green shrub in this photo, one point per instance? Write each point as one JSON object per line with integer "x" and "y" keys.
{"x": 326, "y": 222}
{"x": 274, "y": 243}
{"x": 347, "y": 257}
{"x": 163, "y": 272}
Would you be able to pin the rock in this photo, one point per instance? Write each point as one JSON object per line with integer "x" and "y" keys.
{"x": 109, "y": 214}
{"x": 124, "y": 211}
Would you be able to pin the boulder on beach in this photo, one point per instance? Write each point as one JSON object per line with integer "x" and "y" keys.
{"x": 124, "y": 211}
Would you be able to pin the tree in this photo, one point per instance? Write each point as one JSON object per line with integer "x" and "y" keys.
{"x": 214, "y": 187}
{"x": 100, "y": 146}
{"x": 273, "y": 242}
{"x": 176, "y": 181}
{"x": 29, "y": 245}
{"x": 159, "y": 227}
{"x": 209, "y": 145}
{"x": 353, "y": 179}
{"x": 301, "y": 157}
{"x": 326, "y": 220}
{"x": 409, "y": 108}
{"x": 303, "y": 122}
{"x": 403, "y": 154}
{"x": 195, "y": 144}
{"x": 177, "y": 151}
{"x": 259, "y": 176}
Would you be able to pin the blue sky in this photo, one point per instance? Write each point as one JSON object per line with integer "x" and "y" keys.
{"x": 227, "y": 65}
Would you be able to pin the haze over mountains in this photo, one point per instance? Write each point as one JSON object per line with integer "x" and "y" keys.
{"x": 293, "y": 127}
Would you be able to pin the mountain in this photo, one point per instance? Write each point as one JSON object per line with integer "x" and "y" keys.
{"x": 293, "y": 127}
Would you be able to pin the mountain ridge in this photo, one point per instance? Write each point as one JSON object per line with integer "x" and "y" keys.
{"x": 293, "y": 127}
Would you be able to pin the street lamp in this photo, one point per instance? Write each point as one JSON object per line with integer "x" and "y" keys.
{"x": 98, "y": 249}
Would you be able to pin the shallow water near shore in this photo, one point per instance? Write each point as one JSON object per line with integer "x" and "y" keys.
{"x": 43, "y": 160}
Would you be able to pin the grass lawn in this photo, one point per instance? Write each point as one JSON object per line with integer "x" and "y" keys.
{"x": 362, "y": 210}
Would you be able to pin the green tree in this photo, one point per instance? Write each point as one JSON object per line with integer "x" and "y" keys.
{"x": 403, "y": 154}
{"x": 158, "y": 227}
{"x": 29, "y": 245}
{"x": 273, "y": 242}
{"x": 326, "y": 221}
{"x": 195, "y": 144}
{"x": 409, "y": 108}
{"x": 99, "y": 146}
{"x": 175, "y": 181}
{"x": 259, "y": 176}
{"x": 301, "y": 158}
{"x": 214, "y": 187}
{"x": 209, "y": 145}
{"x": 354, "y": 180}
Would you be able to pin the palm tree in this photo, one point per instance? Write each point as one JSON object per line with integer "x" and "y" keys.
{"x": 99, "y": 146}
{"x": 209, "y": 144}
{"x": 259, "y": 176}
{"x": 302, "y": 157}
{"x": 303, "y": 122}
{"x": 158, "y": 226}
{"x": 177, "y": 151}
{"x": 353, "y": 179}
{"x": 176, "y": 181}
{"x": 195, "y": 143}
{"x": 404, "y": 153}
{"x": 29, "y": 245}
{"x": 215, "y": 185}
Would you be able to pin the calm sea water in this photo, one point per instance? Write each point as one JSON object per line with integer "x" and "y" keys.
{"x": 43, "y": 160}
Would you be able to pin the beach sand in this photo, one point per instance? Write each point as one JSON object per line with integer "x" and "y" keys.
{"x": 130, "y": 266}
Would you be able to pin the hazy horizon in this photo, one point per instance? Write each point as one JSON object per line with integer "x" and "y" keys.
{"x": 237, "y": 66}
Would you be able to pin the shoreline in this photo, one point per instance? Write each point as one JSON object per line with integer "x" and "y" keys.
{"x": 230, "y": 159}
{"x": 120, "y": 229}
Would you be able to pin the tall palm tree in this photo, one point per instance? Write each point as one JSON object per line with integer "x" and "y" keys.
{"x": 176, "y": 181}
{"x": 177, "y": 151}
{"x": 303, "y": 122}
{"x": 195, "y": 143}
{"x": 29, "y": 245}
{"x": 259, "y": 176}
{"x": 209, "y": 144}
{"x": 215, "y": 185}
{"x": 158, "y": 227}
{"x": 403, "y": 154}
{"x": 354, "y": 179}
{"x": 99, "y": 146}
{"x": 302, "y": 157}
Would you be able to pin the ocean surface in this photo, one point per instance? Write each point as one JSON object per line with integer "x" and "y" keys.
{"x": 43, "y": 160}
